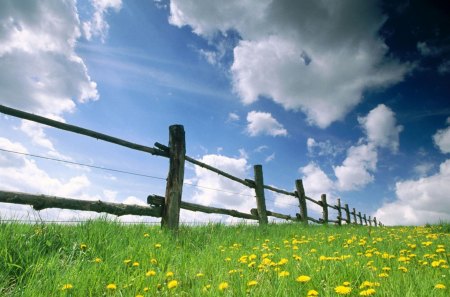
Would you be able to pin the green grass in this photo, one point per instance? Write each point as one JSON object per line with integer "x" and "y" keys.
{"x": 38, "y": 260}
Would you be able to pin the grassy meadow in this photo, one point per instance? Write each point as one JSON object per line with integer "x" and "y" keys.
{"x": 104, "y": 258}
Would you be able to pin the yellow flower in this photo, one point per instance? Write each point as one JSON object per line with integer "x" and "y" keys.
{"x": 169, "y": 274}
{"x": 172, "y": 284}
{"x": 347, "y": 284}
{"x": 252, "y": 283}
{"x": 127, "y": 261}
{"x": 67, "y": 287}
{"x": 135, "y": 264}
{"x": 403, "y": 268}
{"x": 111, "y": 286}
{"x": 83, "y": 246}
{"x": 343, "y": 290}
{"x": 153, "y": 261}
{"x": 383, "y": 275}
{"x": 146, "y": 235}
{"x": 283, "y": 274}
{"x": 157, "y": 246}
{"x": 303, "y": 279}
{"x": 151, "y": 273}
{"x": 139, "y": 295}
{"x": 440, "y": 286}
{"x": 223, "y": 286}
{"x": 206, "y": 288}
{"x": 97, "y": 260}
{"x": 199, "y": 274}
{"x": 312, "y": 293}
{"x": 368, "y": 292}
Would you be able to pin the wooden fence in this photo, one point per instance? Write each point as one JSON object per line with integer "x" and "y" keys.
{"x": 168, "y": 207}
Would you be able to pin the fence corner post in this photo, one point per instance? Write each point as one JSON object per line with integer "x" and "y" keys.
{"x": 323, "y": 199}
{"x": 174, "y": 187}
{"x": 302, "y": 201}
{"x": 260, "y": 198}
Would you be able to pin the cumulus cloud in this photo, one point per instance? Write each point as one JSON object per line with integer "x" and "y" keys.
{"x": 420, "y": 201}
{"x": 313, "y": 56}
{"x": 217, "y": 191}
{"x": 381, "y": 128}
{"x": 322, "y": 148}
{"x": 97, "y": 26}
{"x": 442, "y": 139}
{"x": 262, "y": 123}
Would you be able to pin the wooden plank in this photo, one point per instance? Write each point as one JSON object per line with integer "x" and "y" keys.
{"x": 260, "y": 199}
{"x": 323, "y": 199}
{"x": 313, "y": 201}
{"x": 227, "y": 175}
{"x": 174, "y": 186}
{"x": 302, "y": 201}
{"x": 254, "y": 212}
{"x": 79, "y": 130}
{"x": 40, "y": 202}
{"x": 319, "y": 221}
{"x": 158, "y": 200}
{"x": 279, "y": 191}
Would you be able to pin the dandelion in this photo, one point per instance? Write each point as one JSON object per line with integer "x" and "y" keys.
{"x": 111, "y": 286}
{"x": 83, "y": 246}
{"x": 127, "y": 261}
{"x": 146, "y": 289}
{"x": 403, "y": 268}
{"x": 199, "y": 274}
{"x": 223, "y": 286}
{"x": 347, "y": 284}
{"x": 343, "y": 290}
{"x": 172, "y": 284}
{"x": 157, "y": 246}
{"x": 97, "y": 260}
{"x": 169, "y": 274}
{"x": 440, "y": 286}
{"x": 146, "y": 235}
{"x": 135, "y": 264}
{"x": 383, "y": 275}
{"x": 368, "y": 292}
{"x": 154, "y": 261}
{"x": 139, "y": 295}
{"x": 303, "y": 279}
{"x": 67, "y": 287}
{"x": 252, "y": 283}
{"x": 312, "y": 293}
{"x": 283, "y": 273}
{"x": 151, "y": 273}
{"x": 206, "y": 288}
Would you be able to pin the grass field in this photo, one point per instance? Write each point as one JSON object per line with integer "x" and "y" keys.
{"x": 104, "y": 258}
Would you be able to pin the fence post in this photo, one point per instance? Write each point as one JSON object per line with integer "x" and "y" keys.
{"x": 260, "y": 199}
{"x": 354, "y": 217}
{"x": 365, "y": 219}
{"x": 174, "y": 187}
{"x": 302, "y": 201}
{"x": 360, "y": 218}
{"x": 375, "y": 221}
{"x": 370, "y": 221}
{"x": 339, "y": 212}
{"x": 347, "y": 213}
{"x": 323, "y": 199}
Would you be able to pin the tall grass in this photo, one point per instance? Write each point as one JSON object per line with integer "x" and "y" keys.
{"x": 106, "y": 258}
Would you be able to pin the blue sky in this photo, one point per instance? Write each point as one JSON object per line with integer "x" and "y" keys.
{"x": 352, "y": 97}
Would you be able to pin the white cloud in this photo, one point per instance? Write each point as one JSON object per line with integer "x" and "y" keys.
{"x": 39, "y": 69}
{"x": 442, "y": 139}
{"x": 355, "y": 171}
{"x": 315, "y": 181}
{"x": 270, "y": 158}
{"x": 381, "y": 127}
{"x": 97, "y": 26}
{"x": 419, "y": 201}
{"x": 214, "y": 190}
{"x": 233, "y": 117}
{"x": 322, "y": 148}
{"x": 262, "y": 123}
{"x": 313, "y": 56}
{"x": 423, "y": 169}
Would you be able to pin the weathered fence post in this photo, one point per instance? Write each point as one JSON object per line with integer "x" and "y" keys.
{"x": 347, "y": 213}
{"x": 360, "y": 218}
{"x": 260, "y": 199}
{"x": 365, "y": 219}
{"x": 354, "y": 216}
{"x": 174, "y": 187}
{"x": 339, "y": 212}
{"x": 323, "y": 199}
{"x": 302, "y": 200}
{"x": 375, "y": 221}
{"x": 370, "y": 221}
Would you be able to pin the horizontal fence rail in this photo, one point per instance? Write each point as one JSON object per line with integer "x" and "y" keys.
{"x": 168, "y": 207}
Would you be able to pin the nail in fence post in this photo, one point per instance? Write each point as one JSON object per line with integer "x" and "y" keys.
{"x": 174, "y": 187}
{"x": 260, "y": 199}
{"x": 347, "y": 213}
{"x": 339, "y": 212}
{"x": 302, "y": 201}
{"x": 323, "y": 199}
